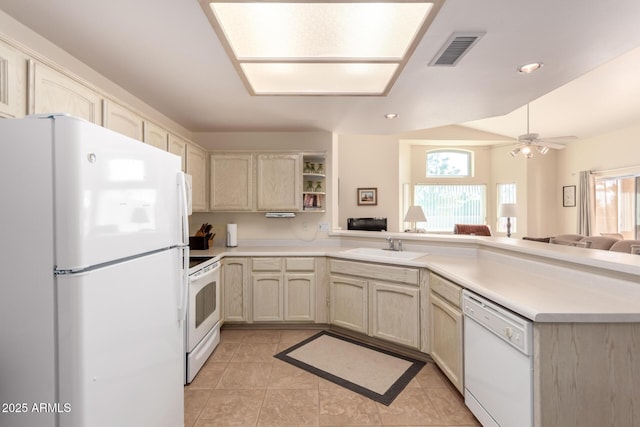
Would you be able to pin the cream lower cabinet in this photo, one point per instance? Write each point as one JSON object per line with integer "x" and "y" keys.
{"x": 283, "y": 289}
{"x": 381, "y": 301}
{"x": 235, "y": 292}
{"x": 349, "y": 307}
{"x": 394, "y": 312}
{"x": 446, "y": 328}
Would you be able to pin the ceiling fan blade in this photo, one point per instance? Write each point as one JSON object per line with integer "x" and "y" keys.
{"x": 560, "y": 138}
{"x": 546, "y": 143}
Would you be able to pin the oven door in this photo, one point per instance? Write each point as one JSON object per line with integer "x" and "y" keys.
{"x": 204, "y": 305}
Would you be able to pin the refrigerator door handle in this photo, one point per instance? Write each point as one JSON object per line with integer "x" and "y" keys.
{"x": 184, "y": 208}
{"x": 183, "y": 284}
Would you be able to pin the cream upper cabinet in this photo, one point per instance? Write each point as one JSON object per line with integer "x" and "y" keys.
{"x": 231, "y": 182}
{"x": 445, "y": 328}
{"x": 123, "y": 120}
{"x": 53, "y": 92}
{"x": 197, "y": 168}
{"x": 279, "y": 182}
{"x": 10, "y": 82}
{"x": 156, "y": 136}
{"x": 178, "y": 147}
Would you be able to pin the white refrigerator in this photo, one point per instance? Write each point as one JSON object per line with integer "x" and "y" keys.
{"x": 93, "y": 277}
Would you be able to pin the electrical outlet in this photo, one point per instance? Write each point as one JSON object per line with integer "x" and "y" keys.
{"x": 323, "y": 226}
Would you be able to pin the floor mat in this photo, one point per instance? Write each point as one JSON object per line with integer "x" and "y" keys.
{"x": 377, "y": 374}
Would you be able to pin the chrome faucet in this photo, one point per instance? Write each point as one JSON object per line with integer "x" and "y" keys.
{"x": 392, "y": 244}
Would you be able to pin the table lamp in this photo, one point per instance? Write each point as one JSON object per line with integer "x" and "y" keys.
{"x": 414, "y": 214}
{"x": 508, "y": 210}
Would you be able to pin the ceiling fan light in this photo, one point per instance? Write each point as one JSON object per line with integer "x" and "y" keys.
{"x": 528, "y": 155}
{"x": 542, "y": 150}
{"x": 514, "y": 152}
{"x": 526, "y": 150}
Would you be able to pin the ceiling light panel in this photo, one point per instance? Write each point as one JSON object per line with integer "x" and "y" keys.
{"x": 320, "y": 30}
{"x": 318, "y": 78}
{"x": 328, "y": 40}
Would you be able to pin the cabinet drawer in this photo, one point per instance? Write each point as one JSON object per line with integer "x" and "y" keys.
{"x": 267, "y": 264}
{"x": 446, "y": 289}
{"x": 376, "y": 271}
{"x": 299, "y": 264}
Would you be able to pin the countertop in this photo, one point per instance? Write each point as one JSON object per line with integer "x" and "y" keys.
{"x": 549, "y": 284}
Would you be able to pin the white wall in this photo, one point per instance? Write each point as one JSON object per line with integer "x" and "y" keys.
{"x": 613, "y": 150}
{"x": 389, "y": 161}
{"x": 369, "y": 161}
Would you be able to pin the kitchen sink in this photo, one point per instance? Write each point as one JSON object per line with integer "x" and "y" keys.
{"x": 385, "y": 253}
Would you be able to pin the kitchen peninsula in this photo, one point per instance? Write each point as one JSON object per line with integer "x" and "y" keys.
{"x": 585, "y": 308}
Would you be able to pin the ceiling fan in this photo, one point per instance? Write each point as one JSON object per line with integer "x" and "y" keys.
{"x": 529, "y": 141}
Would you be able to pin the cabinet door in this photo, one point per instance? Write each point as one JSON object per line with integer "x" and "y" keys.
{"x": 123, "y": 120}
{"x": 178, "y": 147}
{"x": 349, "y": 301}
{"x": 9, "y": 82}
{"x": 54, "y": 92}
{"x": 197, "y": 168}
{"x": 156, "y": 136}
{"x": 231, "y": 182}
{"x": 395, "y": 313}
{"x": 267, "y": 297}
{"x": 446, "y": 339}
{"x": 278, "y": 181}
{"x": 235, "y": 289}
{"x": 299, "y": 296}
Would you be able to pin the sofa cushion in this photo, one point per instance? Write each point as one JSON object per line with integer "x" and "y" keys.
{"x": 624, "y": 246}
{"x": 599, "y": 242}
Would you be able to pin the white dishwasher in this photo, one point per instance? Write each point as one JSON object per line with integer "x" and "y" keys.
{"x": 498, "y": 368}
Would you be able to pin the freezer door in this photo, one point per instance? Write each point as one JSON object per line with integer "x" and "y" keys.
{"x": 120, "y": 344}
{"x": 114, "y": 197}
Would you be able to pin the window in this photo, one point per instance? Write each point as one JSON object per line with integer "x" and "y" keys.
{"x": 616, "y": 199}
{"x": 449, "y": 163}
{"x": 505, "y": 193}
{"x": 446, "y": 205}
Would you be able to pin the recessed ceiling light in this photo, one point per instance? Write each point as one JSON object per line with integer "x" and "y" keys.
{"x": 391, "y": 116}
{"x": 320, "y": 47}
{"x": 530, "y": 68}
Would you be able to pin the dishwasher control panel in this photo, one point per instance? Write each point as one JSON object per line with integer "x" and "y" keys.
{"x": 512, "y": 328}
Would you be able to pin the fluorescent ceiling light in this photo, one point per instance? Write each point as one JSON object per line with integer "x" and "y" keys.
{"x": 320, "y": 48}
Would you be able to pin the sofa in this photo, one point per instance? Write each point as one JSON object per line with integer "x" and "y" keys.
{"x": 606, "y": 241}
{"x": 473, "y": 229}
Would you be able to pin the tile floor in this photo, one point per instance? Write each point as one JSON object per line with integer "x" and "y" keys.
{"x": 242, "y": 384}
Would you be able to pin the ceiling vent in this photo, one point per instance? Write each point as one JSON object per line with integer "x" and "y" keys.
{"x": 455, "y": 48}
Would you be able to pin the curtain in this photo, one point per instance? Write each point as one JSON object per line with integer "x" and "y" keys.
{"x": 585, "y": 203}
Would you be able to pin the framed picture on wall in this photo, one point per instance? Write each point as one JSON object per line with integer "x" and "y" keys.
{"x": 367, "y": 196}
{"x": 569, "y": 195}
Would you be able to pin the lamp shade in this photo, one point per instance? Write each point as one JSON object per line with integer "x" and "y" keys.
{"x": 508, "y": 210}
{"x": 415, "y": 214}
